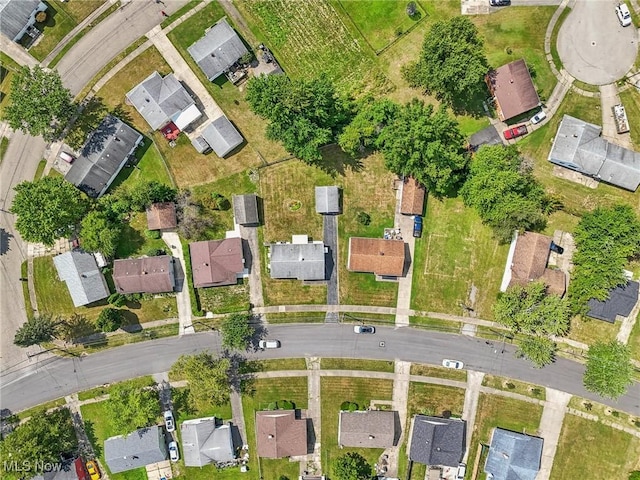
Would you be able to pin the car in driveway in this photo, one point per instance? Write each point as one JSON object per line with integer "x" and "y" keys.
{"x": 92, "y": 470}
{"x": 452, "y": 364}
{"x": 417, "y": 226}
{"x": 538, "y": 117}
{"x": 169, "y": 421}
{"x": 554, "y": 247}
{"x": 515, "y": 132}
{"x": 623, "y": 14}
{"x": 499, "y": 3}
{"x": 174, "y": 456}
{"x": 364, "y": 329}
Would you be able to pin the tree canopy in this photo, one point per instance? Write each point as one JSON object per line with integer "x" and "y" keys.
{"x": 609, "y": 370}
{"x": 236, "y": 331}
{"x": 39, "y": 102}
{"x": 36, "y": 330}
{"x": 351, "y": 466}
{"x": 132, "y": 408}
{"x": 504, "y": 192}
{"x": 48, "y": 209}
{"x": 303, "y": 115}
{"x": 207, "y": 376}
{"x": 99, "y": 233}
{"x": 452, "y": 64}
{"x": 364, "y": 129}
{"x": 539, "y": 350}
{"x": 605, "y": 239}
{"x": 426, "y": 145}
{"x": 110, "y": 319}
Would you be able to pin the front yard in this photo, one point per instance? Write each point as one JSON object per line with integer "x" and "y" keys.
{"x": 433, "y": 400}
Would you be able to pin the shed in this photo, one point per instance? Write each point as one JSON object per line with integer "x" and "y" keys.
{"x": 513, "y": 89}
{"x": 620, "y": 302}
{"x": 513, "y": 456}
{"x": 144, "y": 275}
{"x": 413, "y": 195}
{"x": 376, "y": 255}
{"x": 161, "y": 216}
{"x": 328, "y": 200}
{"x": 245, "y": 209}
{"x": 84, "y": 279}
{"x": 204, "y": 441}
{"x": 142, "y": 447}
{"x": 367, "y": 429}
{"x": 216, "y": 262}
{"x": 280, "y": 433}
{"x": 221, "y": 136}
{"x": 437, "y": 441}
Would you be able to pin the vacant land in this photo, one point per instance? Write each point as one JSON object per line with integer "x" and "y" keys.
{"x": 456, "y": 254}
{"x": 609, "y": 452}
{"x": 140, "y": 382}
{"x": 589, "y": 330}
{"x": 335, "y": 391}
{"x": 428, "y": 399}
{"x": 232, "y": 298}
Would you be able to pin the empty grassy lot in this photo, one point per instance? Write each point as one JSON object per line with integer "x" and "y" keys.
{"x": 428, "y": 399}
{"x": 334, "y": 391}
{"x": 228, "y": 299}
{"x": 603, "y": 451}
{"x": 455, "y": 252}
{"x": 590, "y": 330}
{"x": 438, "y": 372}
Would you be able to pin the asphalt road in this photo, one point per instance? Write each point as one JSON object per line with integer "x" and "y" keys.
{"x": 56, "y": 378}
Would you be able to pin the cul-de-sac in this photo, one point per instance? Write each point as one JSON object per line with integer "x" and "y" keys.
{"x": 319, "y": 239}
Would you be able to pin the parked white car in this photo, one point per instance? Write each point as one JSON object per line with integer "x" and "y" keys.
{"x": 169, "y": 422}
{"x": 174, "y": 456}
{"x": 623, "y": 14}
{"x": 538, "y": 117}
{"x": 269, "y": 344}
{"x": 452, "y": 364}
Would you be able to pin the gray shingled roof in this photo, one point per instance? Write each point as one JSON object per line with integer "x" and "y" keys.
{"x": 303, "y": 261}
{"x": 437, "y": 441}
{"x": 368, "y": 429}
{"x": 222, "y": 136}
{"x": 160, "y": 100}
{"x": 327, "y": 199}
{"x": 513, "y": 456}
{"x": 220, "y": 48}
{"x": 103, "y": 156}
{"x": 245, "y": 209}
{"x": 84, "y": 279}
{"x": 579, "y": 146}
{"x": 621, "y": 301}
{"x": 204, "y": 443}
{"x": 142, "y": 447}
{"x": 15, "y": 15}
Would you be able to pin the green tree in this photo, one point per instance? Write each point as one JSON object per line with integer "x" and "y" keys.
{"x": 110, "y": 319}
{"x": 117, "y": 299}
{"x": 352, "y": 466}
{"x": 634, "y": 475}
{"x": 452, "y": 64}
{"x": 303, "y": 115}
{"x": 99, "y": 233}
{"x": 539, "y": 350}
{"x": 504, "y": 192}
{"x": 425, "y": 145}
{"x": 36, "y": 330}
{"x": 363, "y": 130}
{"x": 75, "y": 327}
{"x": 40, "y": 104}
{"x": 47, "y": 209}
{"x": 236, "y": 331}
{"x": 609, "y": 370}
{"x": 45, "y": 437}
{"x": 208, "y": 378}
{"x": 132, "y": 408}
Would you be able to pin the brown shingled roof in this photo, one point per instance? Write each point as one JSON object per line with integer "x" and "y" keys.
{"x": 144, "y": 275}
{"x": 376, "y": 255}
{"x": 368, "y": 429}
{"x": 513, "y": 89}
{"x": 216, "y": 262}
{"x": 161, "y": 215}
{"x": 529, "y": 263}
{"x": 555, "y": 280}
{"x": 413, "y": 194}
{"x": 280, "y": 434}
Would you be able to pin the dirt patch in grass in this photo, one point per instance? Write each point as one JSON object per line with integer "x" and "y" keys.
{"x": 428, "y": 399}
{"x": 515, "y": 386}
{"x": 356, "y": 364}
{"x": 438, "y": 372}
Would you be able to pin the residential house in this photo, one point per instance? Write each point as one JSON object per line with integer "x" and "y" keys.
{"x": 74, "y": 470}
{"x": 512, "y": 89}
{"x": 245, "y": 209}
{"x": 220, "y": 136}
{"x": 280, "y": 434}
{"x": 513, "y": 456}
{"x": 84, "y": 279}
{"x": 437, "y": 441}
{"x": 413, "y": 195}
{"x": 144, "y": 275}
{"x": 106, "y": 151}
{"x": 328, "y": 200}
{"x": 163, "y": 100}
{"x": 527, "y": 262}
{"x": 385, "y": 258}
{"x": 621, "y": 301}
{"x": 218, "y": 50}
{"x": 216, "y": 262}
{"x": 161, "y": 216}
{"x": 142, "y": 447}
{"x": 300, "y": 259}
{"x": 367, "y": 429}
{"x": 18, "y": 16}
{"x": 206, "y": 441}
{"x": 578, "y": 146}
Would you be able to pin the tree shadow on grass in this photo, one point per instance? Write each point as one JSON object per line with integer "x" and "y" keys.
{"x": 336, "y": 162}
{"x": 90, "y": 430}
{"x": 131, "y": 241}
{"x": 130, "y": 322}
{"x": 180, "y": 401}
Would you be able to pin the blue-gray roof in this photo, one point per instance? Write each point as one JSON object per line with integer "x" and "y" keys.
{"x": 15, "y": 15}
{"x": 437, "y": 441}
{"x": 621, "y": 301}
{"x": 220, "y": 48}
{"x": 142, "y": 447}
{"x": 302, "y": 261}
{"x": 204, "y": 443}
{"x": 328, "y": 199}
{"x": 222, "y": 136}
{"x": 513, "y": 456}
{"x": 84, "y": 279}
{"x": 107, "y": 150}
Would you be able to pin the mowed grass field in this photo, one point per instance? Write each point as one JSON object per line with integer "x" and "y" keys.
{"x": 429, "y": 399}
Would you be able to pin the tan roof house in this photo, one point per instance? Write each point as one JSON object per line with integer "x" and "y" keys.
{"x": 161, "y": 216}
{"x": 513, "y": 89}
{"x": 376, "y": 255}
{"x": 216, "y": 262}
{"x": 280, "y": 434}
{"x": 413, "y": 194}
{"x": 368, "y": 429}
{"x": 144, "y": 275}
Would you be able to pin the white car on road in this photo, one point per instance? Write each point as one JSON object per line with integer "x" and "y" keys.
{"x": 452, "y": 364}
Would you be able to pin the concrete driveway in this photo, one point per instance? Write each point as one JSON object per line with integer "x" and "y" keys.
{"x": 592, "y": 45}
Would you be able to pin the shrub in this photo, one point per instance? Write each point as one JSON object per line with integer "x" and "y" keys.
{"x": 287, "y": 405}
{"x": 41, "y": 17}
{"x": 344, "y": 406}
{"x": 353, "y": 407}
{"x": 110, "y": 319}
{"x": 615, "y": 413}
{"x": 152, "y": 234}
{"x": 588, "y": 406}
{"x": 412, "y": 9}
{"x": 272, "y": 406}
{"x": 510, "y": 385}
{"x": 116, "y": 299}
{"x": 363, "y": 218}
{"x": 536, "y": 392}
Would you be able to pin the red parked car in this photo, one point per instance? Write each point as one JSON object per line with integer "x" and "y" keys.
{"x": 515, "y": 132}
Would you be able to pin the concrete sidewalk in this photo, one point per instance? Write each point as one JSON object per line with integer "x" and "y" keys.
{"x": 16, "y": 52}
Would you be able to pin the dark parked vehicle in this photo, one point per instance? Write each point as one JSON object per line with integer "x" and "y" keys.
{"x": 515, "y": 132}
{"x": 417, "y": 226}
{"x": 499, "y": 3}
{"x": 556, "y": 248}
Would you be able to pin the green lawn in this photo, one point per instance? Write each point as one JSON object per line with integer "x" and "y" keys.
{"x": 438, "y": 372}
{"x": 631, "y": 100}
{"x": 40, "y": 169}
{"x": 180, "y": 12}
{"x": 438, "y": 324}
{"x": 24, "y": 414}
{"x": 275, "y": 364}
{"x": 151, "y": 166}
{"x": 334, "y": 391}
{"x": 590, "y": 330}
{"x": 634, "y": 340}
{"x": 232, "y": 298}
{"x": 554, "y": 38}
{"x": 455, "y": 253}
{"x": 605, "y": 413}
{"x": 134, "y": 242}
{"x": 514, "y": 386}
{"x": 296, "y": 317}
{"x": 140, "y": 382}
{"x": 428, "y": 399}
{"x": 356, "y": 364}
{"x": 603, "y": 451}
